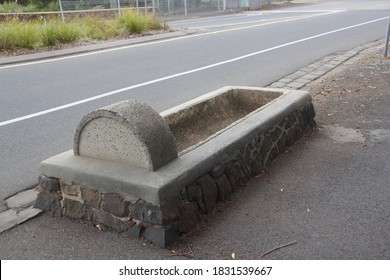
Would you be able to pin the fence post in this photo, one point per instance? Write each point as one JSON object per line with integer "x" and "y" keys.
{"x": 119, "y": 7}
{"x": 386, "y": 49}
{"x": 61, "y": 11}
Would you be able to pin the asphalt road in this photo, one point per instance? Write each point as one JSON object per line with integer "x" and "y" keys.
{"x": 42, "y": 102}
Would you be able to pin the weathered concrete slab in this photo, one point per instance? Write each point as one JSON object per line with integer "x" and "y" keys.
{"x": 12, "y": 217}
{"x": 22, "y": 199}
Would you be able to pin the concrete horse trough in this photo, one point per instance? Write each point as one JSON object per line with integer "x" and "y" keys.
{"x": 141, "y": 173}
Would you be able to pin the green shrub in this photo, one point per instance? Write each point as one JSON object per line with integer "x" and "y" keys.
{"x": 55, "y": 31}
{"x": 8, "y": 7}
{"x": 49, "y": 32}
{"x": 7, "y": 36}
{"x": 18, "y": 35}
{"x": 155, "y": 23}
{"x": 98, "y": 29}
{"x": 27, "y": 36}
{"x": 33, "y": 6}
{"x": 30, "y": 8}
{"x": 133, "y": 22}
{"x": 41, "y": 4}
{"x": 54, "y": 6}
{"x": 67, "y": 32}
{"x": 12, "y": 7}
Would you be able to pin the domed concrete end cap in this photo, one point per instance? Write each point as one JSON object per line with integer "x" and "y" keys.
{"x": 129, "y": 132}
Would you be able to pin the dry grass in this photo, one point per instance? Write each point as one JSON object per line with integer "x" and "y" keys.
{"x": 15, "y": 34}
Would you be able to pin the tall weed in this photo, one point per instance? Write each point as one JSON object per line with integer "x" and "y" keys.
{"x": 54, "y": 6}
{"x": 27, "y": 36}
{"x": 98, "y": 29}
{"x": 155, "y": 23}
{"x": 67, "y": 32}
{"x": 133, "y": 22}
{"x": 7, "y": 36}
{"x": 9, "y": 7}
{"x": 18, "y": 35}
{"x": 13, "y": 7}
{"x": 55, "y": 31}
{"x": 49, "y": 32}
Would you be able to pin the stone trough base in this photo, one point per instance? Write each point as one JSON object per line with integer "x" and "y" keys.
{"x": 174, "y": 199}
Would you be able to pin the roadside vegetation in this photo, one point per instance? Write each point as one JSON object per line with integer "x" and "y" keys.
{"x": 51, "y": 32}
{"x": 29, "y": 6}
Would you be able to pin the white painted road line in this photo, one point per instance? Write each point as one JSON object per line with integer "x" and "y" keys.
{"x": 269, "y": 21}
{"x": 19, "y": 119}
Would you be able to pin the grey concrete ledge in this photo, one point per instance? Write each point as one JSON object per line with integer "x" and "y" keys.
{"x": 158, "y": 186}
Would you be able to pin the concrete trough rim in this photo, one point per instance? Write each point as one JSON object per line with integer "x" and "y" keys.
{"x": 158, "y": 186}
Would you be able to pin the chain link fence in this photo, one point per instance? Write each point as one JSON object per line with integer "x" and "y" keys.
{"x": 165, "y": 8}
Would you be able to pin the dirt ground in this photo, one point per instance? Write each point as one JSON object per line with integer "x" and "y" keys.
{"x": 353, "y": 96}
